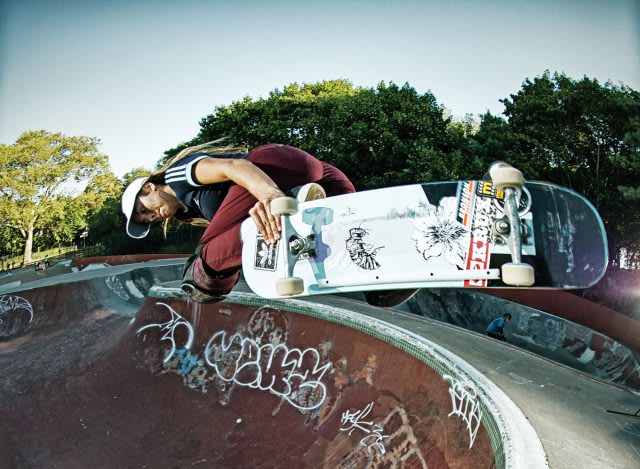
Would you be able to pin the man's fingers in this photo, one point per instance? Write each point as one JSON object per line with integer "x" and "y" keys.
{"x": 273, "y": 220}
{"x": 267, "y": 224}
{"x": 268, "y": 221}
{"x": 258, "y": 221}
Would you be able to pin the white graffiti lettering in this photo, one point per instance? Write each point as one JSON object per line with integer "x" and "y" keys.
{"x": 293, "y": 374}
{"x": 464, "y": 400}
{"x": 356, "y": 421}
{"x": 10, "y": 303}
{"x": 170, "y": 328}
{"x": 115, "y": 285}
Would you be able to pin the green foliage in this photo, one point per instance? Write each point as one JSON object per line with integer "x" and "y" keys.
{"x": 134, "y": 174}
{"x": 577, "y": 133}
{"x": 105, "y": 218}
{"x": 39, "y": 174}
{"x": 381, "y": 136}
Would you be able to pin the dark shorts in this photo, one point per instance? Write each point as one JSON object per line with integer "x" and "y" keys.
{"x": 288, "y": 167}
{"x": 497, "y": 336}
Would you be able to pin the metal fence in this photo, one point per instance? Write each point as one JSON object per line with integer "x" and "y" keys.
{"x": 180, "y": 239}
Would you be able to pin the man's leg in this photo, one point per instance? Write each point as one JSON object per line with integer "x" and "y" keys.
{"x": 215, "y": 269}
{"x": 497, "y": 336}
{"x": 203, "y": 283}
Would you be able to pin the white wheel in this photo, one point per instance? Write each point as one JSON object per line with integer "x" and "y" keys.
{"x": 499, "y": 164}
{"x": 289, "y": 286}
{"x": 506, "y": 176}
{"x": 284, "y": 206}
{"x": 518, "y": 274}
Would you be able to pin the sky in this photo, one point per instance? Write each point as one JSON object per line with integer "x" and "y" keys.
{"x": 139, "y": 75}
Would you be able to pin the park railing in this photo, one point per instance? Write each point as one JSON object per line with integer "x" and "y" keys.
{"x": 179, "y": 239}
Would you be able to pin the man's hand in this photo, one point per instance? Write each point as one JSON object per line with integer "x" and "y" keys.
{"x": 268, "y": 225}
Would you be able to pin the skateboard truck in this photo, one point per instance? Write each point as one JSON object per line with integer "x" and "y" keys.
{"x": 299, "y": 245}
{"x": 510, "y": 180}
{"x": 295, "y": 246}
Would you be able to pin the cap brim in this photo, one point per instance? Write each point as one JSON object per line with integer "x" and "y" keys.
{"x": 137, "y": 230}
{"x": 134, "y": 229}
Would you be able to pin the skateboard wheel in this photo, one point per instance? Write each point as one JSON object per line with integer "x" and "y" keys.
{"x": 518, "y": 274}
{"x": 289, "y": 286}
{"x": 284, "y": 206}
{"x": 506, "y": 176}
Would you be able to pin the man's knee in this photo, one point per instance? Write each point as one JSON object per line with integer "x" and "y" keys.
{"x": 204, "y": 284}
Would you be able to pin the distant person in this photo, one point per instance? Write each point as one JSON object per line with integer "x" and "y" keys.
{"x": 222, "y": 187}
{"x": 496, "y": 328}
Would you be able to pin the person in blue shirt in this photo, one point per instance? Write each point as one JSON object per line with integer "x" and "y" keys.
{"x": 496, "y": 328}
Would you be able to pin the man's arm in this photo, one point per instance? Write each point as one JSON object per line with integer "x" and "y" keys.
{"x": 253, "y": 179}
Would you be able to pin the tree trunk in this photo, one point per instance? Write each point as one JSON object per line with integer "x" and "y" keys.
{"x": 28, "y": 246}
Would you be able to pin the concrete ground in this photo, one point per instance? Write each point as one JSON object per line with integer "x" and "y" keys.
{"x": 572, "y": 413}
{"x": 568, "y": 409}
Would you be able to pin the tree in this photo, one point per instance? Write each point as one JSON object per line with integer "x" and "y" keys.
{"x": 382, "y": 136}
{"x": 580, "y": 134}
{"x": 103, "y": 194}
{"x": 39, "y": 176}
{"x": 577, "y": 133}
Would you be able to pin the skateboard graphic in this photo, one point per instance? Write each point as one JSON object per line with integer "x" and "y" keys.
{"x": 500, "y": 233}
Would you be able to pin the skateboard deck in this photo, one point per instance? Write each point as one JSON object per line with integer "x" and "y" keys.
{"x": 432, "y": 235}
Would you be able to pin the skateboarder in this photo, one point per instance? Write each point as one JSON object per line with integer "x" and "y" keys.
{"x": 224, "y": 186}
{"x": 496, "y": 328}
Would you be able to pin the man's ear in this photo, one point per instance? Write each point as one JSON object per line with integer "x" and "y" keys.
{"x": 149, "y": 187}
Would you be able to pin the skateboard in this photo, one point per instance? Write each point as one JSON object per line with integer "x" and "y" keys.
{"x": 501, "y": 233}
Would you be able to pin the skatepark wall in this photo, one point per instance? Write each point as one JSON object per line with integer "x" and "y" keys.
{"x": 619, "y": 290}
{"x": 566, "y": 305}
{"x": 551, "y": 336}
{"x": 157, "y": 381}
{"x": 82, "y": 262}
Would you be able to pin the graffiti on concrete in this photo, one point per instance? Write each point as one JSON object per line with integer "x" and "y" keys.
{"x": 401, "y": 448}
{"x": 115, "y": 285}
{"x": 373, "y": 433}
{"x": 191, "y": 368}
{"x": 170, "y": 327}
{"x": 16, "y": 314}
{"x": 127, "y": 289}
{"x": 258, "y": 359}
{"x": 630, "y": 428}
{"x": 524, "y": 381}
{"x": 291, "y": 373}
{"x": 464, "y": 400}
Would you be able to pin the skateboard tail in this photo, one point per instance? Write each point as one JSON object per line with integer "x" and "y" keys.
{"x": 572, "y": 237}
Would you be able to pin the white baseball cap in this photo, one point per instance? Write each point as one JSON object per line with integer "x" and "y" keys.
{"x": 134, "y": 229}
